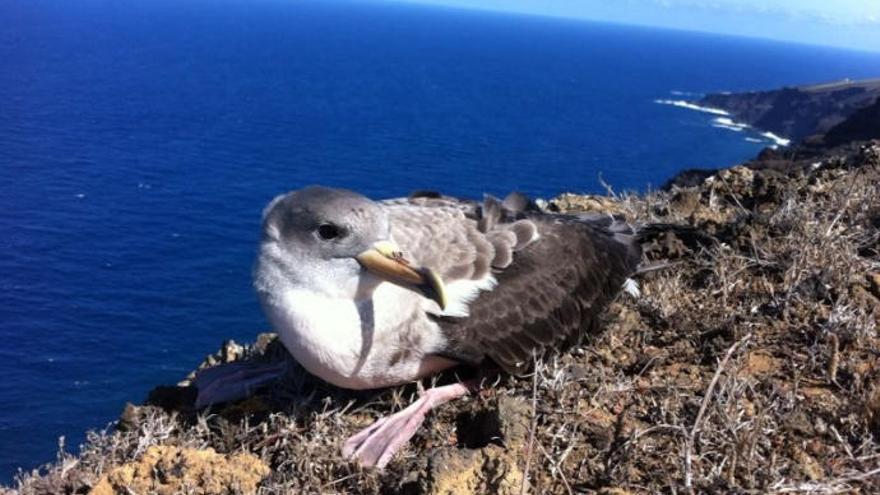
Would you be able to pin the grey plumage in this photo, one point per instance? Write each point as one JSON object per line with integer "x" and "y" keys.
{"x": 519, "y": 281}
{"x": 555, "y": 273}
{"x": 368, "y": 294}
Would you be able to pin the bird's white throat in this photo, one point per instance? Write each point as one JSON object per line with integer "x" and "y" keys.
{"x": 368, "y": 343}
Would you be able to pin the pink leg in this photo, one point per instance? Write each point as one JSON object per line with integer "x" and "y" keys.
{"x": 375, "y": 445}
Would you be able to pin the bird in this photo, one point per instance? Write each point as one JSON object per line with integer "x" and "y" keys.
{"x": 369, "y": 294}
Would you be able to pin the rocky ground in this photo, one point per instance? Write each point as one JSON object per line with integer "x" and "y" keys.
{"x": 750, "y": 364}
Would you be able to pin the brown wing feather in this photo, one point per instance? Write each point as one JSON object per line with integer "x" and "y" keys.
{"x": 459, "y": 240}
{"x": 552, "y": 292}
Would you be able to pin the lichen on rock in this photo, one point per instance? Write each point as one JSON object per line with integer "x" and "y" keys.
{"x": 169, "y": 470}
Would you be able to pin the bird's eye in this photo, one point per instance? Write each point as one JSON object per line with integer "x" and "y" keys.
{"x": 328, "y": 231}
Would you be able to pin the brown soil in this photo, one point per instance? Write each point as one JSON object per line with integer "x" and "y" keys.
{"x": 750, "y": 364}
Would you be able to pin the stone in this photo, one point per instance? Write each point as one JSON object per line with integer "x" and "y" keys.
{"x": 167, "y": 470}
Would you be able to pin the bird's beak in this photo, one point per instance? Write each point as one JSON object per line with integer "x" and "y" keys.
{"x": 386, "y": 260}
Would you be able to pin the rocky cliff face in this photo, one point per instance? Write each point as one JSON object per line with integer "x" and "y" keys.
{"x": 797, "y": 112}
{"x": 749, "y": 364}
{"x": 860, "y": 126}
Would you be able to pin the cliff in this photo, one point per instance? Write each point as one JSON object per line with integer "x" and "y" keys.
{"x": 749, "y": 364}
{"x": 797, "y": 112}
{"x": 862, "y": 125}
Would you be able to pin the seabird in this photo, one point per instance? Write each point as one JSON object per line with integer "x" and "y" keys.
{"x": 370, "y": 294}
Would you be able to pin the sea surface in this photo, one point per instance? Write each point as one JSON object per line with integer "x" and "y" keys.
{"x": 139, "y": 141}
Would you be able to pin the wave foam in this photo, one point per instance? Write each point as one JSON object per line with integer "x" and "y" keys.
{"x": 729, "y": 124}
{"x": 779, "y": 140}
{"x": 692, "y": 106}
{"x": 729, "y": 127}
{"x": 724, "y": 121}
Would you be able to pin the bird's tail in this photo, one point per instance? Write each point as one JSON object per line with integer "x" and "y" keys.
{"x": 642, "y": 238}
{"x": 692, "y": 237}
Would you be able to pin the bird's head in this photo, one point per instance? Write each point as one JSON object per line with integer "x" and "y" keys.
{"x": 337, "y": 243}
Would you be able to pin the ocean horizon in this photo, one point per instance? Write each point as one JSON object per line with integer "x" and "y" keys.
{"x": 139, "y": 142}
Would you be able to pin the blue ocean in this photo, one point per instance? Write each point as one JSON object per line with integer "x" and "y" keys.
{"x": 139, "y": 141}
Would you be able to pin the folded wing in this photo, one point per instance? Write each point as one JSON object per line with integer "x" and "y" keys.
{"x": 525, "y": 281}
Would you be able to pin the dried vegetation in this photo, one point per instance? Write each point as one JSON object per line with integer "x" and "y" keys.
{"x": 750, "y": 364}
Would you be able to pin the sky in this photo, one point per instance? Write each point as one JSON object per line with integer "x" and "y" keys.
{"x": 853, "y": 24}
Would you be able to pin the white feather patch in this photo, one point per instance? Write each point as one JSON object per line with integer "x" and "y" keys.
{"x": 632, "y": 288}
{"x": 461, "y": 293}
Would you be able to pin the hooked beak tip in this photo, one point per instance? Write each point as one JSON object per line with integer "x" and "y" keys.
{"x": 385, "y": 260}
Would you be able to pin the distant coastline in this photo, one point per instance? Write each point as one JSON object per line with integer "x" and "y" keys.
{"x": 796, "y": 113}
{"x": 815, "y": 119}
{"x": 788, "y": 114}
{"x": 724, "y": 121}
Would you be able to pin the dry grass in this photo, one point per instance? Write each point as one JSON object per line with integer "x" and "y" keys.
{"x": 751, "y": 365}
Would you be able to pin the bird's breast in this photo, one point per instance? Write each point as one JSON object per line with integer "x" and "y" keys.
{"x": 378, "y": 342}
{"x": 321, "y": 333}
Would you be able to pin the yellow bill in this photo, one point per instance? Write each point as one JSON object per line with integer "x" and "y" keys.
{"x": 386, "y": 260}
